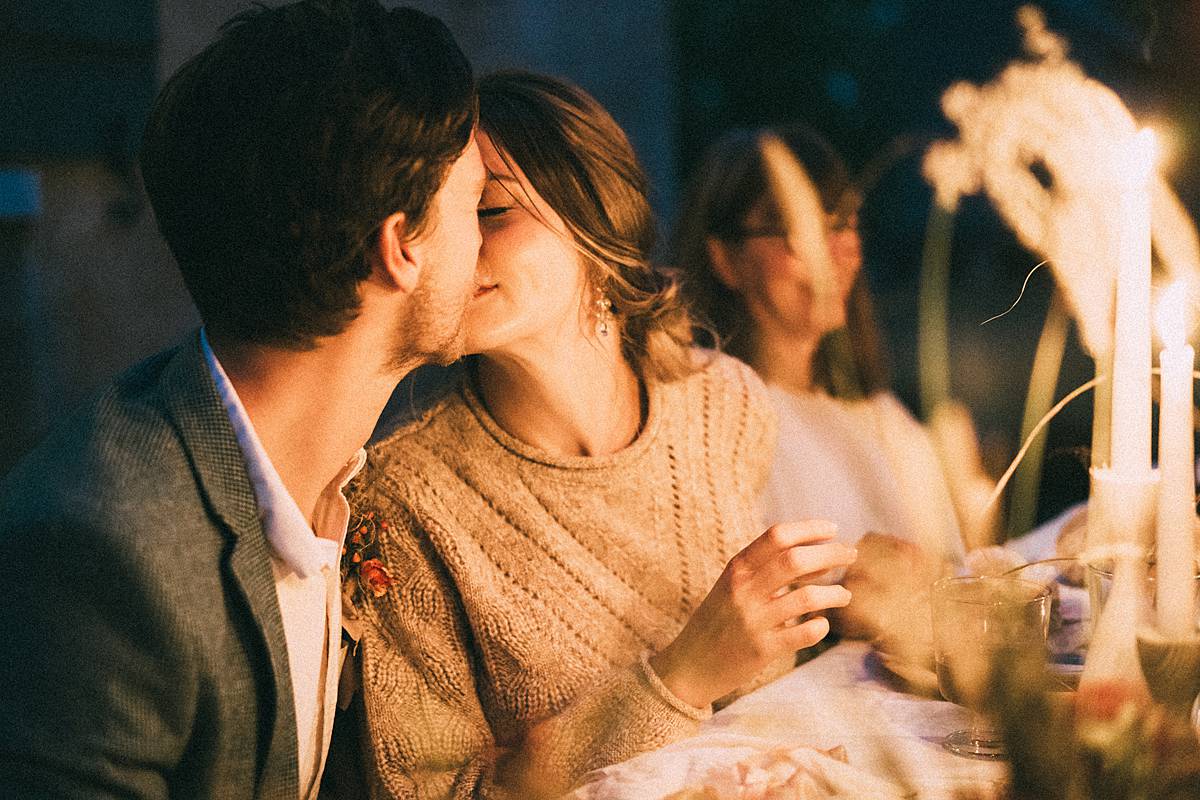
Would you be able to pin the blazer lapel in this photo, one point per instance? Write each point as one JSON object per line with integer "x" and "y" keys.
{"x": 192, "y": 401}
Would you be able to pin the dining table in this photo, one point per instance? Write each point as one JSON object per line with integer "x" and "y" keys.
{"x": 885, "y": 737}
{"x": 844, "y": 698}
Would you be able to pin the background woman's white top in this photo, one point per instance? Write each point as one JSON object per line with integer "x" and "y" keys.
{"x": 868, "y": 465}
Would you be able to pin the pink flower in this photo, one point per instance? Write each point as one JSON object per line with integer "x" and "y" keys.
{"x": 1102, "y": 702}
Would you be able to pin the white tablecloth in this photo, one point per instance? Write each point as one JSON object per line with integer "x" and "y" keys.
{"x": 842, "y": 697}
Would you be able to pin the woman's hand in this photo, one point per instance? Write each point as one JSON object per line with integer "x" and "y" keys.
{"x": 890, "y": 582}
{"x": 756, "y": 612}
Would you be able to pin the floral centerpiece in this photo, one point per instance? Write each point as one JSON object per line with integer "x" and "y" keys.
{"x": 1104, "y": 742}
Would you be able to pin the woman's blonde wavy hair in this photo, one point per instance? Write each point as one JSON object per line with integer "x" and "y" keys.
{"x": 579, "y": 160}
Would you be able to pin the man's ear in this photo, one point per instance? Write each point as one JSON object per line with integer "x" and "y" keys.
{"x": 393, "y": 257}
{"x": 721, "y": 258}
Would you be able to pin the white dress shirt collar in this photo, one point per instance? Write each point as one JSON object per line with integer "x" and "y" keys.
{"x": 287, "y": 530}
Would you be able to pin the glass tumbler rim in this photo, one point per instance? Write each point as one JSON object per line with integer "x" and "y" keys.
{"x": 1040, "y": 590}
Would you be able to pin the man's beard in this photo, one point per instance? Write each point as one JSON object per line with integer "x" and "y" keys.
{"x": 432, "y": 331}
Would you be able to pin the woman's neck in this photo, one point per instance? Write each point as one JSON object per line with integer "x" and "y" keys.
{"x": 570, "y": 398}
{"x": 784, "y": 359}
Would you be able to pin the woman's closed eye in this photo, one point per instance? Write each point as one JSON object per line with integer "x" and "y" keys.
{"x": 491, "y": 212}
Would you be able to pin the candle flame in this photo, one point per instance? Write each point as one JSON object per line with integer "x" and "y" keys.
{"x": 1171, "y": 314}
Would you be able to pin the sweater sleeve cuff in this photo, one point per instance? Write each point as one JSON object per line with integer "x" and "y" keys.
{"x": 666, "y": 695}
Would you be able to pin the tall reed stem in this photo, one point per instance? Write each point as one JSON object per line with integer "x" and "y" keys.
{"x": 1043, "y": 380}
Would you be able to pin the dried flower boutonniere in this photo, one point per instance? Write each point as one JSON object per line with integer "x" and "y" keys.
{"x": 363, "y": 573}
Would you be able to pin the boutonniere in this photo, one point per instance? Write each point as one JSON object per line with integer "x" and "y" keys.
{"x": 363, "y": 573}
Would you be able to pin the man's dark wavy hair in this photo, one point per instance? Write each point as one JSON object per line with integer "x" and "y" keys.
{"x": 273, "y": 156}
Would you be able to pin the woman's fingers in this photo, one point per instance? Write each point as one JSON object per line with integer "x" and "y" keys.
{"x": 804, "y": 600}
{"x": 740, "y": 615}
{"x": 806, "y": 634}
{"x": 798, "y": 563}
{"x": 781, "y": 537}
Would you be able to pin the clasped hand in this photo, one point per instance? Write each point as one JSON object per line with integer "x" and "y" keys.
{"x": 762, "y": 607}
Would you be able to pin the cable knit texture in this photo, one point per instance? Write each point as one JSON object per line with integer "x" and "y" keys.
{"x": 531, "y": 587}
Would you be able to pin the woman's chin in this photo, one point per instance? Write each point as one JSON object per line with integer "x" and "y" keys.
{"x": 483, "y": 338}
{"x": 475, "y": 346}
{"x": 492, "y": 326}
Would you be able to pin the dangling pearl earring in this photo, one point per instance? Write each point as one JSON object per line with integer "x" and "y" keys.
{"x": 603, "y": 313}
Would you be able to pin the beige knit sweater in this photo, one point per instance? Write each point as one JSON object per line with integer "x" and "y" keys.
{"x": 532, "y": 587}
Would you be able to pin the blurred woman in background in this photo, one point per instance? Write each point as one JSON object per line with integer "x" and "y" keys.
{"x": 769, "y": 248}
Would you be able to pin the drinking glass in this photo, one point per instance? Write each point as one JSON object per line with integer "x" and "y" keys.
{"x": 1100, "y": 578}
{"x": 977, "y": 620}
{"x": 1170, "y": 665}
{"x": 1070, "y": 616}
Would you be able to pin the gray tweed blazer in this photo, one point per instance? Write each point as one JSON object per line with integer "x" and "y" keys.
{"x": 142, "y": 652}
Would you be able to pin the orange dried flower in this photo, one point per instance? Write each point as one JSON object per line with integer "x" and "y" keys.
{"x": 362, "y": 571}
{"x": 375, "y": 576}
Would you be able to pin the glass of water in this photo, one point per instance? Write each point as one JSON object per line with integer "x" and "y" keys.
{"x": 976, "y": 621}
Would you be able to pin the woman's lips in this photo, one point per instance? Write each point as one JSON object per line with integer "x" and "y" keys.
{"x": 482, "y": 290}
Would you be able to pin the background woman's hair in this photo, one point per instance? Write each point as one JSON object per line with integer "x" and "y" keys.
{"x": 581, "y": 163}
{"x": 272, "y": 158}
{"x": 729, "y": 182}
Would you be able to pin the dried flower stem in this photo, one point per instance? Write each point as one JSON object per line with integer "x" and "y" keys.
{"x": 933, "y": 338}
{"x": 1043, "y": 380}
